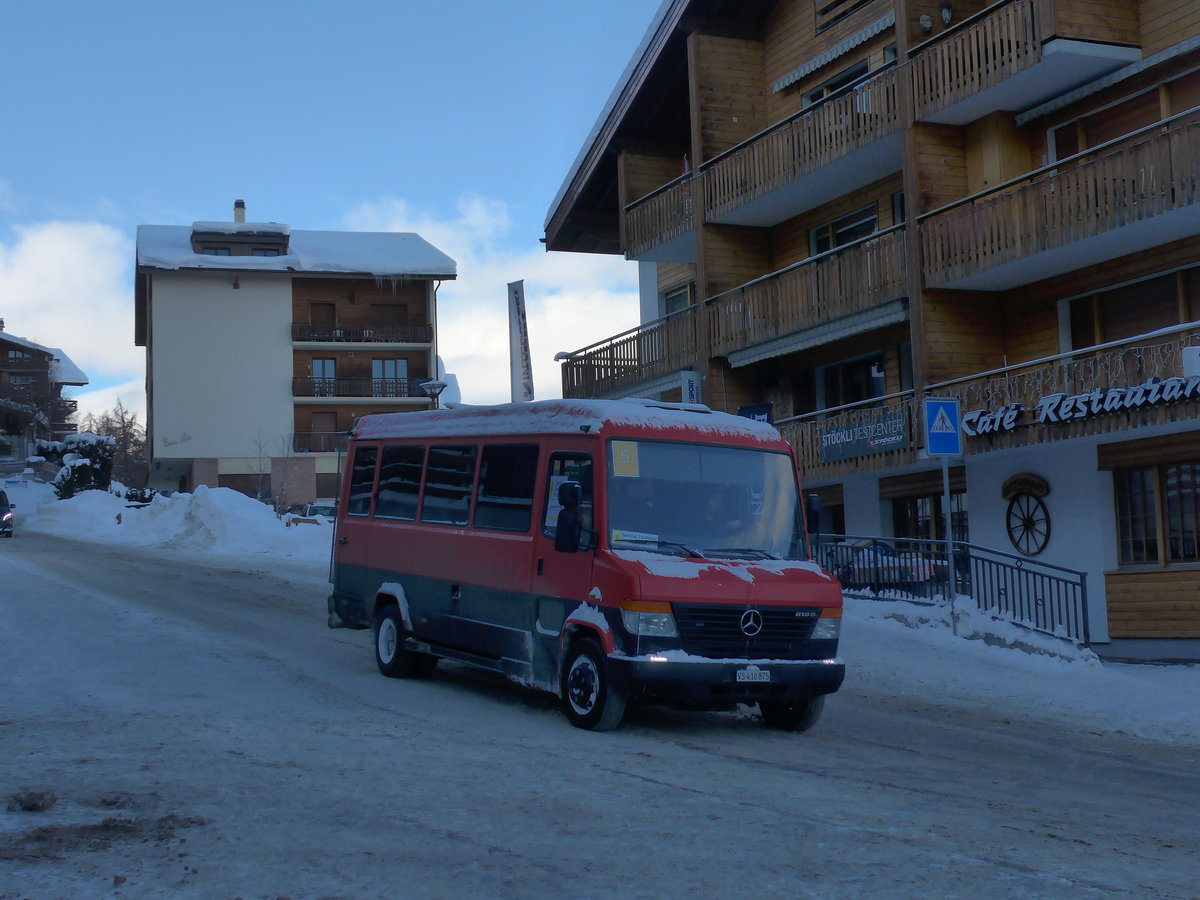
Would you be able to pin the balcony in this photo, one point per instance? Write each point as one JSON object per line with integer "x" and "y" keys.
{"x": 852, "y": 139}
{"x": 644, "y": 358}
{"x": 866, "y": 437}
{"x": 359, "y": 388}
{"x": 1018, "y": 53}
{"x": 1113, "y": 387}
{"x": 320, "y": 441}
{"x": 304, "y": 332}
{"x": 831, "y": 296}
{"x": 1115, "y": 199}
{"x": 660, "y": 227}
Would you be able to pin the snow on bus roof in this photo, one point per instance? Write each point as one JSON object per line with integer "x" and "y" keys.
{"x": 562, "y": 417}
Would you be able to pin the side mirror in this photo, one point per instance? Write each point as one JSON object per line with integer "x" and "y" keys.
{"x": 569, "y": 528}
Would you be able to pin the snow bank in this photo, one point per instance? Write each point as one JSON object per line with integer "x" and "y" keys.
{"x": 216, "y": 521}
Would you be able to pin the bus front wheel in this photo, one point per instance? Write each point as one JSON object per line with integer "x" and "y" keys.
{"x": 589, "y": 697}
{"x": 392, "y": 657}
{"x": 799, "y": 716}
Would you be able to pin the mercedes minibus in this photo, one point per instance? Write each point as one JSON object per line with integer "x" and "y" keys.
{"x": 607, "y": 551}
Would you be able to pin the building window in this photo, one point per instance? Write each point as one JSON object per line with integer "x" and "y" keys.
{"x": 850, "y": 381}
{"x": 389, "y": 377}
{"x": 845, "y": 230}
{"x": 839, "y": 83}
{"x": 324, "y": 375}
{"x": 829, "y": 12}
{"x": 264, "y": 251}
{"x": 922, "y": 517}
{"x": 1153, "y": 501}
{"x": 215, "y": 251}
{"x": 678, "y": 299}
{"x": 1125, "y": 312}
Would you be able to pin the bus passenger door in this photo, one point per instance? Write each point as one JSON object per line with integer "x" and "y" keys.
{"x": 562, "y": 578}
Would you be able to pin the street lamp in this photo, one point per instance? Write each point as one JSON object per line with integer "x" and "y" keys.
{"x": 433, "y": 390}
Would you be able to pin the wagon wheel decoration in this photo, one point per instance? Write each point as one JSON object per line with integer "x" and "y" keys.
{"x": 1028, "y": 523}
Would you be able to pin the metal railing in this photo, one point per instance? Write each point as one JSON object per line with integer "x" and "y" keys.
{"x": 356, "y": 387}
{"x": 365, "y": 334}
{"x": 1037, "y": 595}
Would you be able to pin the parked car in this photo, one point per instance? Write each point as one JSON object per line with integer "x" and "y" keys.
{"x": 326, "y": 508}
{"x": 877, "y": 564}
{"x": 6, "y": 515}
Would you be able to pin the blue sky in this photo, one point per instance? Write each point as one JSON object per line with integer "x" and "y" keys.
{"x": 458, "y": 120}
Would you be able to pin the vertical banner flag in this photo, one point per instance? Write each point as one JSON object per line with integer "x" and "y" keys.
{"x": 518, "y": 344}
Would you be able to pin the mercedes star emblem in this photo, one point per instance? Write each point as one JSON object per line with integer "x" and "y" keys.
{"x": 752, "y": 622}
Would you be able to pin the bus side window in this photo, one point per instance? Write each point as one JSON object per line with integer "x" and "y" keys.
{"x": 449, "y": 476}
{"x": 504, "y": 498}
{"x": 576, "y": 467}
{"x": 362, "y": 481}
{"x": 399, "y": 482}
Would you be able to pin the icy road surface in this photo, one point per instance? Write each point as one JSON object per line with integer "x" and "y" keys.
{"x": 204, "y": 735}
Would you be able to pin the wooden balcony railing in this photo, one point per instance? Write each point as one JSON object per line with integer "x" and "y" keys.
{"x": 658, "y": 217}
{"x": 382, "y": 388}
{"x": 984, "y": 50}
{"x": 368, "y": 334}
{"x": 801, "y": 144}
{"x": 320, "y": 441}
{"x": 650, "y": 351}
{"x": 1110, "y": 389}
{"x": 815, "y": 436}
{"x": 1146, "y": 174}
{"x": 847, "y": 280}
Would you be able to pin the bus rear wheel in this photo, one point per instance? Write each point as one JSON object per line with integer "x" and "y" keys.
{"x": 590, "y": 699}
{"x": 799, "y": 716}
{"x": 393, "y": 658}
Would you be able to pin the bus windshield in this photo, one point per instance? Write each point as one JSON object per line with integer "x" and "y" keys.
{"x": 702, "y": 500}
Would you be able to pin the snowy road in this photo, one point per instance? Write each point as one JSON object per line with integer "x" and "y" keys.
{"x": 206, "y": 736}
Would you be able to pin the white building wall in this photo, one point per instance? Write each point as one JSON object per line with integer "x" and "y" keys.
{"x": 648, "y": 292}
{"x": 1080, "y": 504}
{"x": 221, "y": 365}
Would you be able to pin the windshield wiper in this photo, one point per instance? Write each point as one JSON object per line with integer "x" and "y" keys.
{"x": 662, "y": 546}
{"x": 751, "y": 552}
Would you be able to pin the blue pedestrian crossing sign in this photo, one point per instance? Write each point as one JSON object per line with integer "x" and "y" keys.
{"x": 942, "y": 434}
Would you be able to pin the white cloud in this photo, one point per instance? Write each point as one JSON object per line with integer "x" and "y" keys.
{"x": 67, "y": 285}
{"x": 571, "y": 299}
{"x": 132, "y": 395}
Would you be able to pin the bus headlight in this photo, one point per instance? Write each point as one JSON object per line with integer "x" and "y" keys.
{"x": 648, "y": 619}
{"x": 827, "y": 628}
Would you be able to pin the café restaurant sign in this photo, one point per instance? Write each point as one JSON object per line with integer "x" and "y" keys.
{"x": 882, "y": 431}
{"x": 1054, "y": 408}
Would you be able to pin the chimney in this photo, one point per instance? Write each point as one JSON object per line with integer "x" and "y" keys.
{"x": 239, "y": 210}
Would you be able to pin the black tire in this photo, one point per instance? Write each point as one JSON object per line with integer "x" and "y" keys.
{"x": 798, "y": 716}
{"x": 589, "y": 698}
{"x": 392, "y": 657}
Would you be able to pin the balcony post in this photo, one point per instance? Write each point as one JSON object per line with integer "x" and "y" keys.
{"x": 913, "y": 278}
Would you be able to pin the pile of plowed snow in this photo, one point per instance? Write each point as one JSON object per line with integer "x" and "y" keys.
{"x": 213, "y": 520}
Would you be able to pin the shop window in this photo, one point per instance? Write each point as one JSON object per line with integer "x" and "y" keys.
{"x": 845, "y": 230}
{"x": 922, "y": 517}
{"x": 1158, "y": 514}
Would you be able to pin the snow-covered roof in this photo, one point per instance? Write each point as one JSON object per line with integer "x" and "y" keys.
{"x": 567, "y": 417}
{"x": 388, "y": 254}
{"x": 62, "y": 370}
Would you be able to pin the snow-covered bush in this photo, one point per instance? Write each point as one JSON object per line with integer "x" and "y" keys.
{"x": 85, "y": 462}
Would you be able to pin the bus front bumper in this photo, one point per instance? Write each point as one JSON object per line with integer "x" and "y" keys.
{"x": 703, "y": 682}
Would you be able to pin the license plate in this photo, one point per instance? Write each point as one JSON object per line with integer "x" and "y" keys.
{"x": 754, "y": 673}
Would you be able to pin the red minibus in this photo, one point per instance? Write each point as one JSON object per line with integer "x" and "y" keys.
{"x": 607, "y": 551}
